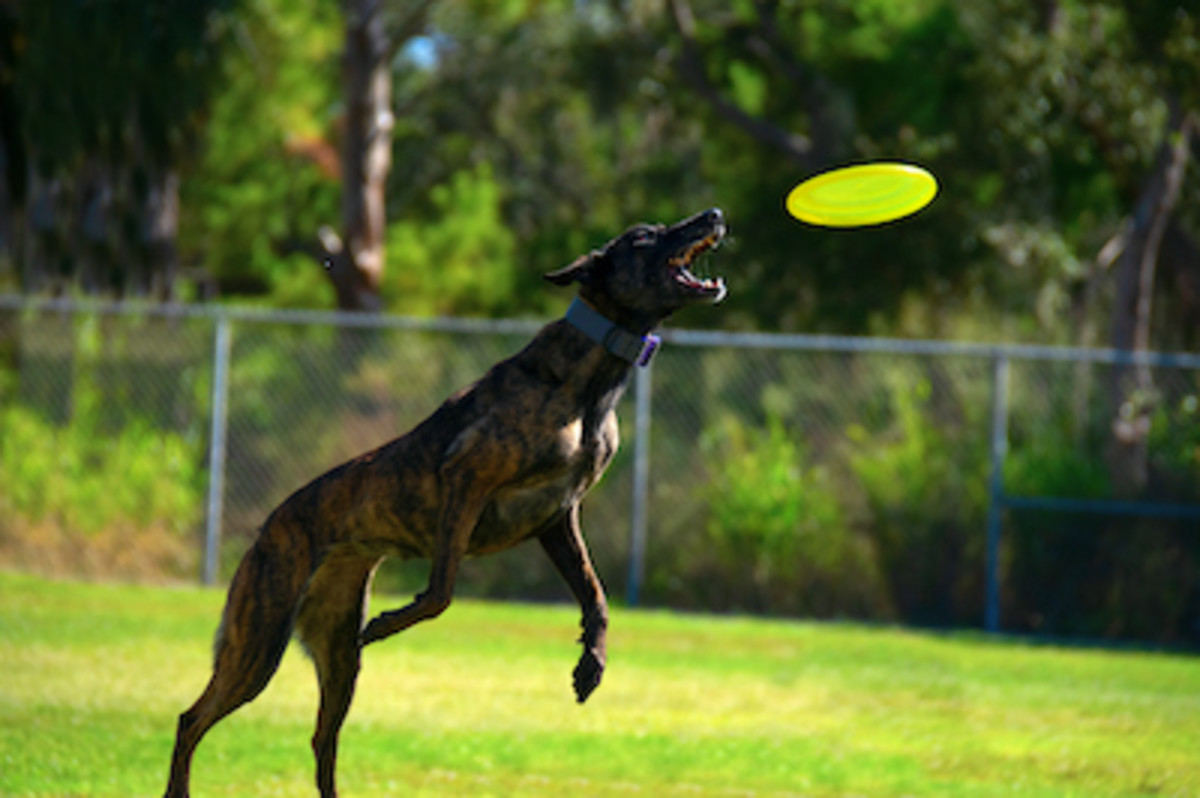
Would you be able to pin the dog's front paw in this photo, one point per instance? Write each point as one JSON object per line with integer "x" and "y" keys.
{"x": 588, "y": 672}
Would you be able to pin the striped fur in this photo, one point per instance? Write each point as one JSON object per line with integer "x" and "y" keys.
{"x": 502, "y": 461}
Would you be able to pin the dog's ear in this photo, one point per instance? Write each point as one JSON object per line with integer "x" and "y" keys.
{"x": 581, "y": 270}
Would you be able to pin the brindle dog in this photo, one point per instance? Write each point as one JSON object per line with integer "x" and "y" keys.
{"x": 506, "y": 459}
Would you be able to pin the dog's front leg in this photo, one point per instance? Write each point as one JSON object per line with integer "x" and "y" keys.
{"x": 475, "y": 464}
{"x": 459, "y": 517}
{"x": 563, "y": 541}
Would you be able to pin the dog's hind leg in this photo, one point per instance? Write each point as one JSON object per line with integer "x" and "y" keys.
{"x": 254, "y": 634}
{"x": 330, "y": 619}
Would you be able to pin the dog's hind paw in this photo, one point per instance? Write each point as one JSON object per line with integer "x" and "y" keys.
{"x": 588, "y": 672}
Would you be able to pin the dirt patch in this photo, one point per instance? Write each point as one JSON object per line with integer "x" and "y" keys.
{"x": 122, "y": 552}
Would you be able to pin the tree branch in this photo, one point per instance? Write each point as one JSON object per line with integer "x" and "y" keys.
{"x": 772, "y": 48}
{"x": 1164, "y": 206}
{"x": 1135, "y": 292}
{"x": 793, "y": 145}
{"x": 828, "y": 129}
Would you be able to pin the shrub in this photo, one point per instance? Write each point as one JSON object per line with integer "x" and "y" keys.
{"x": 102, "y": 466}
{"x": 463, "y": 261}
{"x": 779, "y": 539}
{"x": 925, "y": 485}
{"x": 1174, "y": 445}
{"x": 1092, "y": 574}
{"x": 86, "y": 480}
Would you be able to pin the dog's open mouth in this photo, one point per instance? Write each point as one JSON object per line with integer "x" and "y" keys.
{"x": 680, "y": 267}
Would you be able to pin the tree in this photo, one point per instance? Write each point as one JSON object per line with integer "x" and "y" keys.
{"x": 306, "y": 114}
{"x": 267, "y": 173}
{"x": 105, "y": 99}
{"x": 355, "y": 259}
{"x": 761, "y": 37}
{"x": 571, "y": 119}
{"x": 1111, "y": 120}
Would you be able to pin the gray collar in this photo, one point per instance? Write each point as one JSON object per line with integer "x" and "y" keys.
{"x": 629, "y": 347}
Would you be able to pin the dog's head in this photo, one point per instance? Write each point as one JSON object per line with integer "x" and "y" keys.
{"x": 642, "y": 276}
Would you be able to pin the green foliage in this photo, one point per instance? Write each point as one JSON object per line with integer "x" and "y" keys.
{"x": 1042, "y": 122}
{"x": 118, "y": 80}
{"x": 1039, "y": 125}
{"x": 462, "y": 260}
{"x": 96, "y": 435}
{"x": 529, "y": 132}
{"x": 266, "y": 180}
{"x": 1174, "y": 442}
{"x": 567, "y": 115}
{"x": 777, "y": 530}
{"x": 769, "y": 503}
{"x": 1052, "y": 467}
{"x": 101, "y": 103}
{"x": 85, "y": 477}
{"x": 917, "y": 465}
{"x": 925, "y": 484}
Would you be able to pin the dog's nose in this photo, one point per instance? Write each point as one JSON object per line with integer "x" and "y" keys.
{"x": 714, "y": 216}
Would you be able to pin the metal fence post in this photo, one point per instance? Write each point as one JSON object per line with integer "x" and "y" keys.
{"x": 216, "y": 449}
{"x": 999, "y": 450}
{"x": 641, "y": 483}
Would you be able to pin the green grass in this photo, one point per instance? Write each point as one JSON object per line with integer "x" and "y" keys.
{"x": 478, "y": 703}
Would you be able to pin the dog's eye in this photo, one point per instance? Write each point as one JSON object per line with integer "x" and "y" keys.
{"x": 644, "y": 239}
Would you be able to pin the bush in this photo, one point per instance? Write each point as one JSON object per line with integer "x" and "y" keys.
{"x": 1090, "y": 574}
{"x": 86, "y": 480}
{"x": 102, "y": 466}
{"x": 461, "y": 262}
{"x": 925, "y": 484}
{"x": 1174, "y": 445}
{"x": 777, "y": 535}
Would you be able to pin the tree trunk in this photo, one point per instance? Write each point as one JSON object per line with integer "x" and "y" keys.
{"x": 159, "y": 235}
{"x": 1133, "y": 389}
{"x": 355, "y": 261}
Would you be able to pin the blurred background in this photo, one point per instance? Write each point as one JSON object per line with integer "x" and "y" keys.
{"x": 165, "y": 166}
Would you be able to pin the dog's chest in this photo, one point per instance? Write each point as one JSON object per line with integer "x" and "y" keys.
{"x": 573, "y": 460}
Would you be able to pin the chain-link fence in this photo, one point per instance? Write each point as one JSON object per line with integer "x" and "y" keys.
{"x": 1045, "y": 489}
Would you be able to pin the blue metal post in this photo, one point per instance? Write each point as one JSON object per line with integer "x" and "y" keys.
{"x": 216, "y": 450}
{"x": 641, "y": 483}
{"x": 999, "y": 447}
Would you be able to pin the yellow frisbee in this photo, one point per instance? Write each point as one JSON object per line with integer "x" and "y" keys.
{"x": 863, "y": 195}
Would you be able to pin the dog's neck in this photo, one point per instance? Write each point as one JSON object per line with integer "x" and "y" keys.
{"x": 629, "y": 346}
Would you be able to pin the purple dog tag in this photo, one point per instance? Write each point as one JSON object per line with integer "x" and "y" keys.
{"x": 650, "y": 344}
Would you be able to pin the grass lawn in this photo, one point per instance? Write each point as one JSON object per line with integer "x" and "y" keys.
{"x": 479, "y": 703}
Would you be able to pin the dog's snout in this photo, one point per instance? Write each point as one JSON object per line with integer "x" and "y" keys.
{"x": 714, "y": 216}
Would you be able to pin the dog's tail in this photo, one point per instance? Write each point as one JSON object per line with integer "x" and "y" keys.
{"x": 261, "y": 607}
{"x": 257, "y": 623}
